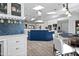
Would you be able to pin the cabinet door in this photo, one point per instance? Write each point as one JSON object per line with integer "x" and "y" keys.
{"x": 11, "y": 47}
{"x": 3, "y": 48}
{"x": 20, "y": 51}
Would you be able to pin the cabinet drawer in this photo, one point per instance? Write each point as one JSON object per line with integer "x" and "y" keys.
{"x": 20, "y": 42}
{"x": 18, "y": 49}
{"x": 11, "y": 43}
{"x": 21, "y": 54}
{"x": 16, "y": 46}
{"x": 12, "y": 51}
{"x": 21, "y": 50}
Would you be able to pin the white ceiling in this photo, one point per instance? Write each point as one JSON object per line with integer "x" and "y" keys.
{"x": 48, "y": 7}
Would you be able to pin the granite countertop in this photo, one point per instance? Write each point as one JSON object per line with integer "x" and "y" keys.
{"x": 67, "y": 35}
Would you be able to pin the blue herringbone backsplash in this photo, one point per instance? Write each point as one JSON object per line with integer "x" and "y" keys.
{"x": 10, "y": 29}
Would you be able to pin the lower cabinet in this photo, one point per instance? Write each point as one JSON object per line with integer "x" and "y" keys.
{"x": 16, "y": 46}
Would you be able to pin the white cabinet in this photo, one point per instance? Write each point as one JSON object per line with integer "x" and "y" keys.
{"x": 3, "y": 47}
{"x": 17, "y": 45}
{"x": 14, "y": 45}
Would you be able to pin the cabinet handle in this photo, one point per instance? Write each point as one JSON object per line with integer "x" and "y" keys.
{"x": 17, "y": 41}
{"x": 17, "y": 48}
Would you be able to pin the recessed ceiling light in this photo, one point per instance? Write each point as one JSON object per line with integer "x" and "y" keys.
{"x": 59, "y": 19}
{"x": 39, "y": 21}
{"x": 62, "y": 18}
{"x": 69, "y": 15}
{"x": 51, "y": 13}
{"x": 64, "y": 9}
{"x": 39, "y": 13}
{"x": 39, "y": 7}
{"x": 32, "y": 19}
{"x": 55, "y": 16}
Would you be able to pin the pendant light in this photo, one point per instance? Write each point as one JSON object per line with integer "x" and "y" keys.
{"x": 66, "y": 8}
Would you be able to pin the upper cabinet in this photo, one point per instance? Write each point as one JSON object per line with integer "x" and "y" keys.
{"x": 16, "y": 9}
{"x": 12, "y": 11}
{"x": 3, "y": 8}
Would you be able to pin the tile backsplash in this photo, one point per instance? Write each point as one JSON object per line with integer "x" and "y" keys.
{"x": 11, "y": 27}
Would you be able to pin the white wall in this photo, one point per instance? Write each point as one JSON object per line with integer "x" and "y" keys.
{"x": 50, "y": 22}
{"x": 22, "y": 9}
{"x": 43, "y": 25}
{"x": 46, "y": 23}
{"x": 63, "y": 24}
{"x": 71, "y": 26}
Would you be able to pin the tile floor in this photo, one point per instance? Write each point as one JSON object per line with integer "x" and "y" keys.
{"x": 39, "y": 48}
